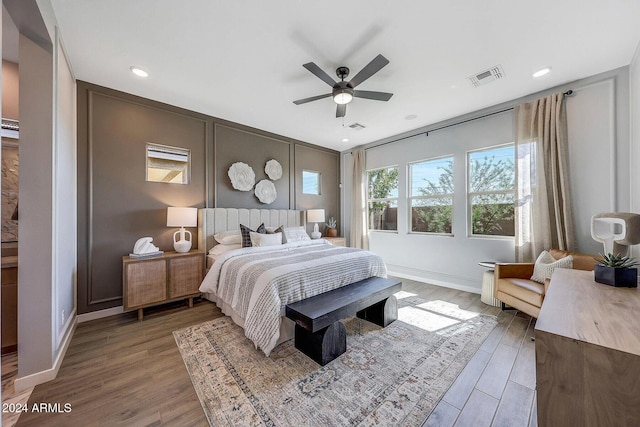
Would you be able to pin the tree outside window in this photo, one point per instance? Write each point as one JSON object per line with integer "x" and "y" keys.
{"x": 491, "y": 195}
{"x": 382, "y": 199}
{"x": 431, "y": 196}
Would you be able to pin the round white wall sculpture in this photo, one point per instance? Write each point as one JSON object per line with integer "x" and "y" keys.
{"x": 266, "y": 191}
{"x": 273, "y": 169}
{"x": 242, "y": 176}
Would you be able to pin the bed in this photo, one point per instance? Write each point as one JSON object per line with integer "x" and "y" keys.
{"x": 253, "y": 285}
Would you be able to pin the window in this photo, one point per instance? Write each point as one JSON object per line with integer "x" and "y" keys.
{"x": 382, "y": 199}
{"x": 168, "y": 164}
{"x": 491, "y": 191}
{"x": 431, "y": 195}
{"x": 310, "y": 182}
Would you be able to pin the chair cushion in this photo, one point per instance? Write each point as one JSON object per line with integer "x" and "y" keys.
{"x": 546, "y": 263}
{"x": 523, "y": 289}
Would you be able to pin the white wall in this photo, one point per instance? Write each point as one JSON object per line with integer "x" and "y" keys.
{"x": 598, "y": 117}
{"x": 634, "y": 90}
{"x": 48, "y": 193}
{"x": 35, "y": 244}
{"x": 65, "y": 196}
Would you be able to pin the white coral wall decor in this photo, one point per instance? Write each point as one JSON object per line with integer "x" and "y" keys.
{"x": 266, "y": 191}
{"x": 242, "y": 176}
{"x": 273, "y": 170}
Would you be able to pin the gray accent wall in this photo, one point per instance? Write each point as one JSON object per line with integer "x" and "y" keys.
{"x": 233, "y": 145}
{"x": 328, "y": 165}
{"x": 117, "y": 206}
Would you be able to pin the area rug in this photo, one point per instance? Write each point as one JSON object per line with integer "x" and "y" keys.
{"x": 388, "y": 376}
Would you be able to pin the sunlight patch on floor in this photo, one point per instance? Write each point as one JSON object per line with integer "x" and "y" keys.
{"x": 448, "y": 309}
{"x": 424, "y": 319}
{"x": 403, "y": 294}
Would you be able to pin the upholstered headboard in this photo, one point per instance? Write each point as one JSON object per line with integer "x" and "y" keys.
{"x": 216, "y": 220}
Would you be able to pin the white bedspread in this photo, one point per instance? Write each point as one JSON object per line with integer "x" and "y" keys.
{"x": 257, "y": 283}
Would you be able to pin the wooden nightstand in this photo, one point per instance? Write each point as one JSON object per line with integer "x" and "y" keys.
{"x": 152, "y": 281}
{"x": 337, "y": 241}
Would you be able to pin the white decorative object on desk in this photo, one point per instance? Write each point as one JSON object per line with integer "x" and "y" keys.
{"x": 182, "y": 217}
{"x": 315, "y": 215}
{"x": 616, "y": 231}
{"x": 242, "y": 176}
{"x": 266, "y": 191}
{"x": 273, "y": 170}
{"x": 144, "y": 248}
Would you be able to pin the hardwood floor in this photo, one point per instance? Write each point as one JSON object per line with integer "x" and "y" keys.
{"x": 119, "y": 371}
{"x": 9, "y": 395}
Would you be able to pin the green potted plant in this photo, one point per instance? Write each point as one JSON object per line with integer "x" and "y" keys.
{"x": 616, "y": 270}
{"x": 332, "y": 228}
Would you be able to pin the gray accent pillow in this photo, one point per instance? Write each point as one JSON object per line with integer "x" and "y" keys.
{"x": 246, "y": 234}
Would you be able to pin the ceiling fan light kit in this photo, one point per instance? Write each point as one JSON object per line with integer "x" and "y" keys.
{"x": 344, "y": 92}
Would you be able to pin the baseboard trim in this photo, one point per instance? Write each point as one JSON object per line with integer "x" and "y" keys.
{"x": 86, "y": 317}
{"x": 470, "y": 289}
{"x": 30, "y": 381}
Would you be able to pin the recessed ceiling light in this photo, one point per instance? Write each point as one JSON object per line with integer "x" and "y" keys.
{"x": 541, "y": 72}
{"x": 411, "y": 117}
{"x": 345, "y": 139}
{"x": 138, "y": 71}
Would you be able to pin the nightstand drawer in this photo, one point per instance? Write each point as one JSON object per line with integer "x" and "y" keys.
{"x": 145, "y": 282}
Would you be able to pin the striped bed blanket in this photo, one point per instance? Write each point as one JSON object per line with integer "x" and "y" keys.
{"x": 257, "y": 283}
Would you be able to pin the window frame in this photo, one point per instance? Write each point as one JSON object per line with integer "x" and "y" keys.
{"x": 384, "y": 199}
{"x": 469, "y": 194}
{"x": 319, "y": 174}
{"x": 410, "y": 197}
{"x": 168, "y": 150}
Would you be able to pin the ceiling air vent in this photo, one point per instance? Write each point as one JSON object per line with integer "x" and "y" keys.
{"x": 487, "y": 76}
{"x": 357, "y": 126}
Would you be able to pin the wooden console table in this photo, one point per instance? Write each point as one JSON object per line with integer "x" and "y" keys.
{"x": 588, "y": 353}
{"x": 152, "y": 281}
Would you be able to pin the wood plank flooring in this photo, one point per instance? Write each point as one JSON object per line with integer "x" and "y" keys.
{"x": 119, "y": 371}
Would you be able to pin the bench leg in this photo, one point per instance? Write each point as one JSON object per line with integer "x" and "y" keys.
{"x": 322, "y": 346}
{"x": 381, "y": 313}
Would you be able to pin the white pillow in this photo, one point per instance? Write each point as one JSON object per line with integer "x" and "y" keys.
{"x": 295, "y": 234}
{"x": 259, "y": 239}
{"x": 546, "y": 263}
{"x": 220, "y": 249}
{"x": 228, "y": 237}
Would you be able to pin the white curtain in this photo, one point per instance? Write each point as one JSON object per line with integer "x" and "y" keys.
{"x": 544, "y": 218}
{"x": 358, "y": 236}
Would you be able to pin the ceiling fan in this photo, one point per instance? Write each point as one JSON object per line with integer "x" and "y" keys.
{"x": 343, "y": 92}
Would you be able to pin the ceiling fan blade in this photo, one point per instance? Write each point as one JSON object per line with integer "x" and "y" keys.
{"x": 312, "y": 98}
{"x": 341, "y": 110}
{"x": 377, "y": 96}
{"x": 371, "y": 68}
{"x": 319, "y": 73}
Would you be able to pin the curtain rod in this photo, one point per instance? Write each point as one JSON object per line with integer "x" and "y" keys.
{"x": 567, "y": 93}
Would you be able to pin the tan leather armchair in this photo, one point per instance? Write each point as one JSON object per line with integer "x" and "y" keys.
{"x": 514, "y": 287}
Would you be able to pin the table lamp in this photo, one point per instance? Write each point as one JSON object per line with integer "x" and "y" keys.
{"x": 182, "y": 217}
{"x": 315, "y": 215}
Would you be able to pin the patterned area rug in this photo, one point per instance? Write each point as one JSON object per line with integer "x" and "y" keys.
{"x": 388, "y": 376}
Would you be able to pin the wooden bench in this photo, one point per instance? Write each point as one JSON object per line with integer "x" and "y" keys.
{"x": 319, "y": 333}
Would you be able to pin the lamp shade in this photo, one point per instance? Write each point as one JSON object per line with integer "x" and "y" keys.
{"x": 182, "y": 217}
{"x": 315, "y": 215}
